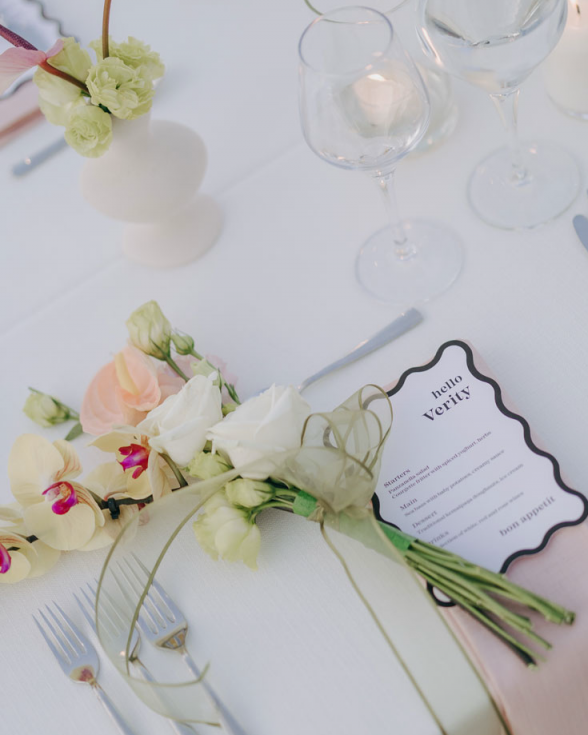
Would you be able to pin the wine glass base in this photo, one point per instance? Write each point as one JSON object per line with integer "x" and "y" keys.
{"x": 430, "y": 268}
{"x": 549, "y": 186}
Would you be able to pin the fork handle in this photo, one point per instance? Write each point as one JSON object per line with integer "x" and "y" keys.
{"x": 228, "y": 722}
{"x": 112, "y": 711}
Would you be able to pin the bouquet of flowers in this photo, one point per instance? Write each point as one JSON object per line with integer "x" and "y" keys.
{"x": 83, "y": 96}
{"x": 171, "y": 418}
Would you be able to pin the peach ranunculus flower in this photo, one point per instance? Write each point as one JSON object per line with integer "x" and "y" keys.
{"x": 125, "y": 390}
{"x": 59, "y": 512}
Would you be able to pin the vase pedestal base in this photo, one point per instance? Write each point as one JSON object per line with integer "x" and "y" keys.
{"x": 175, "y": 240}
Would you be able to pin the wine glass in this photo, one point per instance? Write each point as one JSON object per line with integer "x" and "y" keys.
{"x": 496, "y": 44}
{"x": 363, "y": 107}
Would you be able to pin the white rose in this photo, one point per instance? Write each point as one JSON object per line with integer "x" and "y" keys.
{"x": 178, "y": 427}
{"x": 263, "y": 426}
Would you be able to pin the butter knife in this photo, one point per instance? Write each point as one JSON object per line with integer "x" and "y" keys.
{"x": 399, "y": 326}
{"x": 581, "y": 227}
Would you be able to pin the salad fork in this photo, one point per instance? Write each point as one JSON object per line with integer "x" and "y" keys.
{"x": 77, "y": 657}
{"x": 115, "y": 628}
{"x": 163, "y": 624}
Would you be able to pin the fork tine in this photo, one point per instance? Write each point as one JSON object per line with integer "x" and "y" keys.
{"x": 156, "y": 588}
{"x": 60, "y": 655}
{"x": 153, "y": 593}
{"x": 86, "y": 608}
{"x": 71, "y": 633}
{"x": 110, "y": 609}
{"x": 145, "y": 615}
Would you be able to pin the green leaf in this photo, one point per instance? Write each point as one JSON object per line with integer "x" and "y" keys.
{"x": 75, "y": 431}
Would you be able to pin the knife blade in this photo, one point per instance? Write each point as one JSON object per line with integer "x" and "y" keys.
{"x": 581, "y": 227}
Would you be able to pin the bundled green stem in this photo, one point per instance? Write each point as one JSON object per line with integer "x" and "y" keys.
{"x": 475, "y": 589}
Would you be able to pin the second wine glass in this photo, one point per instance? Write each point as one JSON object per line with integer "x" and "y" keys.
{"x": 364, "y": 107}
{"x": 496, "y": 44}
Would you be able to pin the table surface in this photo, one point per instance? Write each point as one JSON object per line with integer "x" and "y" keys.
{"x": 276, "y": 297}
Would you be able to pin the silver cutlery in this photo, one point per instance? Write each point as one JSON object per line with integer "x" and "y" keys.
{"x": 163, "y": 624}
{"x": 36, "y": 159}
{"x": 399, "y": 326}
{"x": 581, "y": 227}
{"x": 116, "y": 629}
{"x": 77, "y": 657}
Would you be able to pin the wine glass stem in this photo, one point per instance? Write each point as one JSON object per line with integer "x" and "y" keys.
{"x": 507, "y": 106}
{"x": 403, "y": 249}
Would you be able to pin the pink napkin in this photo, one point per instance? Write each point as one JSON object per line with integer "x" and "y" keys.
{"x": 553, "y": 699}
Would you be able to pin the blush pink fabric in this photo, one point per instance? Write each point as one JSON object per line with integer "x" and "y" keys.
{"x": 553, "y": 699}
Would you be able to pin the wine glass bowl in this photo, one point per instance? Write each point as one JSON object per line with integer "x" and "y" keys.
{"x": 364, "y": 106}
{"x": 495, "y": 45}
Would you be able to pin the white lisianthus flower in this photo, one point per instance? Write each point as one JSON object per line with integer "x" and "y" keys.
{"x": 178, "y": 427}
{"x": 225, "y": 531}
{"x": 119, "y": 88}
{"x": 150, "y": 331}
{"x": 134, "y": 53}
{"x": 248, "y": 493}
{"x": 88, "y": 130}
{"x": 260, "y": 428}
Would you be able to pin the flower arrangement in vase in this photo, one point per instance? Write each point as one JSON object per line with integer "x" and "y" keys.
{"x": 138, "y": 171}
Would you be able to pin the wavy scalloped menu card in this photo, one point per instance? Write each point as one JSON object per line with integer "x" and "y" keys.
{"x": 461, "y": 470}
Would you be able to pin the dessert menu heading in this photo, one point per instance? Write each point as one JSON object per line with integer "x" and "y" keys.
{"x": 462, "y": 472}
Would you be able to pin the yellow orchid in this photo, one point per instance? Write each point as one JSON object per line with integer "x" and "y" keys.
{"x": 59, "y": 512}
{"x": 19, "y": 558}
{"x": 144, "y": 471}
{"x": 109, "y": 480}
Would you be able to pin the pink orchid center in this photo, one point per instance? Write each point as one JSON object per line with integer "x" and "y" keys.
{"x": 63, "y": 497}
{"x": 5, "y": 560}
{"x": 135, "y": 455}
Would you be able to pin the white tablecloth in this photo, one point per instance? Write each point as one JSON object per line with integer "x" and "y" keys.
{"x": 276, "y": 297}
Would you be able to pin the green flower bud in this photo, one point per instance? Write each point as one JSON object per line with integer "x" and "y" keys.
{"x": 150, "y": 331}
{"x": 248, "y": 493}
{"x": 45, "y": 411}
{"x": 183, "y": 343}
{"x": 206, "y": 465}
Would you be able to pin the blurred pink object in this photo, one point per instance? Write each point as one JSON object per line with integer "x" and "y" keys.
{"x": 221, "y": 365}
{"x": 15, "y": 61}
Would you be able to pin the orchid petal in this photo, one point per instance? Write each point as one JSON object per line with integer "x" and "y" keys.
{"x": 32, "y": 466}
{"x": 20, "y": 568}
{"x": 72, "y": 467}
{"x": 64, "y": 532}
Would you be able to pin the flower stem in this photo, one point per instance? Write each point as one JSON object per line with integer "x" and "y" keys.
{"x": 176, "y": 368}
{"x": 197, "y": 355}
{"x": 105, "y": 28}
{"x": 15, "y": 39}
{"x": 46, "y": 66}
{"x": 175, "y": 469}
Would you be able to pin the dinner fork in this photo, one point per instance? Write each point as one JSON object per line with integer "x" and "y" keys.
{"x": 77, "y": 657}
{"x": 115, "y": 628}
{"x": 163, "y": 624}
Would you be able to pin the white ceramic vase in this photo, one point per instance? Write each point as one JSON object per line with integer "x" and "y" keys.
{"x": 149, "y": 178}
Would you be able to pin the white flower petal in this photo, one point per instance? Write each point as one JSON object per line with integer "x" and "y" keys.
{"x": 32, "y": 465}
{"x": 66, "y": 532}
